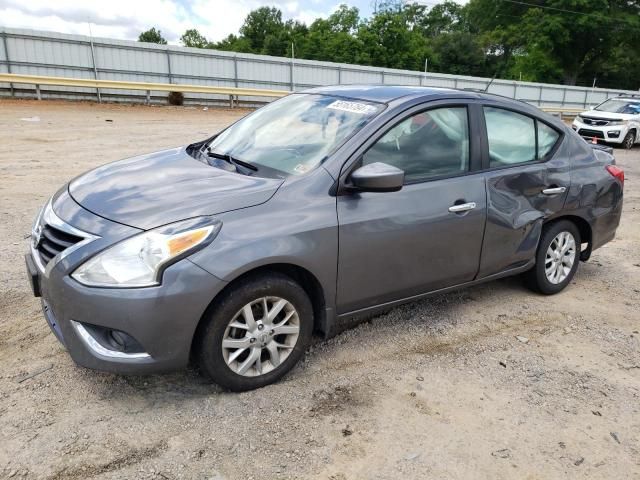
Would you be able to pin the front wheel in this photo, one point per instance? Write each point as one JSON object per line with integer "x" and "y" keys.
{"x": 255, "y": 333}
{"x": 557, "y": 258}
{"x": 629, "y": 140}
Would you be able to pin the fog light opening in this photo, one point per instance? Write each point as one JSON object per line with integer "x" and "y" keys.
{"x": 112, "y": 344}
{"x": 123, "y": 342}
{"x": 118, "y": 340}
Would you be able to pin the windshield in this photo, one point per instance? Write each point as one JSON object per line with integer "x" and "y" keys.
{"x": 617, "y": 105}
{"x": 296, "y": 133}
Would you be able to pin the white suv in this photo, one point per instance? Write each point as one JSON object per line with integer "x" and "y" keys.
{"x": 617, "y": 120}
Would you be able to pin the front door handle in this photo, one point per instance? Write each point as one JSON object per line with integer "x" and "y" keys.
{"x": 554, "y": 190}
{"x": 463, "y": 207}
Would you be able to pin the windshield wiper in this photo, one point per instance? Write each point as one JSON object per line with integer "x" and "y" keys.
{"x": 231, "y": 160}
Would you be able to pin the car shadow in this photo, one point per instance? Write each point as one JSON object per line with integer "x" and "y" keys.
{"x": 438, "y": 310}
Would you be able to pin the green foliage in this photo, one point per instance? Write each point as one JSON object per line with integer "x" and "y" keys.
{"x": 263, "y": 29}
{"x": 152, "y": 36}
{"x": 556, "y": 41}
{"x": 234, "y": 43}
{"x": 459, "y": 53}
{"x": 193, "y": 38}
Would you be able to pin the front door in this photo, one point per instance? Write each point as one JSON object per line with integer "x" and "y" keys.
{"x": 426, "y": 236}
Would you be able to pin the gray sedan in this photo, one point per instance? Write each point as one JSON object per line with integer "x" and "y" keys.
{"x": 307, "y": 215}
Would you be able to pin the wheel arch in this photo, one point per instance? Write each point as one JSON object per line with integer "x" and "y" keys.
{"x": 584, "y": 227}
{"x": 305, "y": 278}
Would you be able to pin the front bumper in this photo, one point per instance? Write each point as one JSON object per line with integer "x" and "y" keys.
{"x": 162, "y": 319}
{"x": 608, "y": 134}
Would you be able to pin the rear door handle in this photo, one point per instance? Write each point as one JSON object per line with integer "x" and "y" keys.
{"x": 554, "y": 190}
{"x": 463, "y": 207}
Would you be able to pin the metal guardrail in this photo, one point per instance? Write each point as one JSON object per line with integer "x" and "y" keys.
{"x": 233, "y": 92}
{"x": 573, "y": 111}
{"x": 563, "y": 112}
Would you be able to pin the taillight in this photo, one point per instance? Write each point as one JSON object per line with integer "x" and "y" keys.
{"x": 616, "y": 172}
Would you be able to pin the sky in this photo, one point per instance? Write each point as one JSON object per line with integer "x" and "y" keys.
{"x": 125, "y": 19}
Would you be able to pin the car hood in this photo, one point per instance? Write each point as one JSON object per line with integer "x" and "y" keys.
{"x": 608, "y": 115}
{"x": 164, "y": 187}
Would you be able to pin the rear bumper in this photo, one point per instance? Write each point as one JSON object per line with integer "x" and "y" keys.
{"x": 606, "y": 214}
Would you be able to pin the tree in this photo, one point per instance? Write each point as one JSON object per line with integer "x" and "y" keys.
{"x": 392, "y": 38}
{"x": 458, "y": 53}
{"x": 334, "y": 39}
{"x": 260, "y": 24}
{"x": 568, "y": 41}
{"x": 445, "y": 17}
{"x": 193, "y": 38}
{"x": 152, "y": 36}
{"x": 344, "y": 20}
{"x": 233, "y": 43}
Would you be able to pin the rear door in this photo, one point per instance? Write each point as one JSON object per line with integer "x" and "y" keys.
{"x": 527, "y": 177}
{"x": 426, "y": 236}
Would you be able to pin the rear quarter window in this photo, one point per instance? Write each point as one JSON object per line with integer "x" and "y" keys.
{"x": 547, "y": 139}
{"x": 515, "y": 138}
{"x": 512, "y": 137}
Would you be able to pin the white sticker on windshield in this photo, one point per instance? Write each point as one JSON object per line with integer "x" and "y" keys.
{"x": 353, "y": 107}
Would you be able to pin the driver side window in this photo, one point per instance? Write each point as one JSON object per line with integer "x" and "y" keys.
{"x": 430, "y": 144}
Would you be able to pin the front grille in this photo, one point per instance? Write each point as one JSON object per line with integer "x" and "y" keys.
{"x": 590, "y": 133}
{"x": 54, "y": 241}
{"x": 596, "y": 122}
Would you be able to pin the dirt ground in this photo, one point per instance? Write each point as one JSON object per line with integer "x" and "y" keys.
{"x": 493, "y": 382}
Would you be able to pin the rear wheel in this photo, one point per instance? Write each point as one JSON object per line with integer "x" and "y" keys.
{"x": 557, "y": 258}
{"x": 255, "y": 333}
{"x": 629, "y": 139}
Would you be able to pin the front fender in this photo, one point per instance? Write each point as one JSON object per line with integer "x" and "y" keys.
{"x": 298, "y": 226}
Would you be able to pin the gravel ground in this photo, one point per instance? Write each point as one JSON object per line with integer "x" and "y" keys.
{"x": 491, "y": 382}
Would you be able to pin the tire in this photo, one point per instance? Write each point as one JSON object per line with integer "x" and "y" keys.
{"x": 629, "y": 140}
{"x": 249, "y": 343}
{"x": 543, "y": 277}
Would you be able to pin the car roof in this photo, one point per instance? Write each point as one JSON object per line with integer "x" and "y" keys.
{"x": 625, "y": 97}
{"x": 391, "y": 93}
{"x": 410, "y": 94}
{"x": 379, "y": 93}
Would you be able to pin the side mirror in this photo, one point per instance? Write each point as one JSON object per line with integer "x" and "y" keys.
{"x": 377, "y": 177}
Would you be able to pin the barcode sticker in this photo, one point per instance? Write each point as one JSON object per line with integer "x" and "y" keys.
{"x": 353, "y": 107}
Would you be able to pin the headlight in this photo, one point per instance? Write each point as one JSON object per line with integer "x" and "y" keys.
{"x": 617, "y": 122}
{"x": 579, "y": 119}
{"x": 139, "y": 261}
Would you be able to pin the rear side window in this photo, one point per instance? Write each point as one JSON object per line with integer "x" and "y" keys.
{"x": 547, "y": 138}
{"x": 512, "y": 137}
{"x": 430, "y": 144}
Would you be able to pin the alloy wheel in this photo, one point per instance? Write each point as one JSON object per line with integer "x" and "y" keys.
{"x": 261, "y": 336}
{"x": 560, "y": 257}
